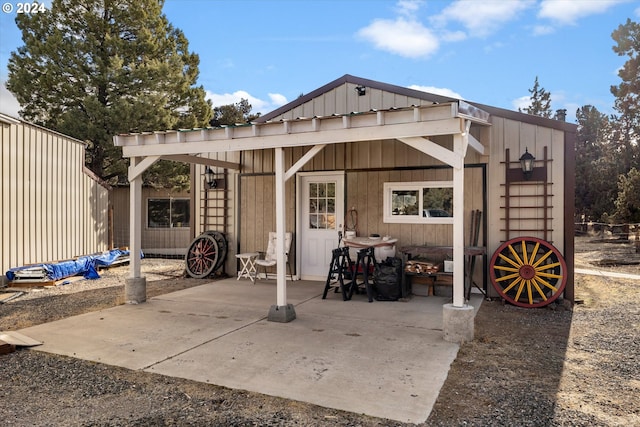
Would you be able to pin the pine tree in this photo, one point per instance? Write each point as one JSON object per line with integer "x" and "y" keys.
{"x": 628, "y": 201}
{"x": 596, "y": 165}
{"x": 627, "y": 94}
{"x": 94, "y": 68}
{"x": 540, "y": 101}
{"x": 232, "y": 114}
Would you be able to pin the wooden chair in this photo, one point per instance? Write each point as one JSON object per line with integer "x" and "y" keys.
{"x": 270, "y": 258}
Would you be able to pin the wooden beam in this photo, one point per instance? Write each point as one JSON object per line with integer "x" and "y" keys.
{"x": 190, "y": 158}
{"x": 365, "y": 132}
{"x": 303, "y": 160}
{"x": 434, "y": 150}
{"x": 475, "y": 144}
{"x": 136, "y": 170}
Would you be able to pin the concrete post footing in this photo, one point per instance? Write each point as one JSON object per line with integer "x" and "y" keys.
{"x": 135, "y": 290}
{"x": 281, "y": 313}
{"x": 458, "y": 323}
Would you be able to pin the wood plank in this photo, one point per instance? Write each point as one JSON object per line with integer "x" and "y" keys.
{"x": 6, "y": 348}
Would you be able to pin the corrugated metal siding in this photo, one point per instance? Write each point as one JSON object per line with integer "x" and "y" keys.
{"x": 51, "y": 209}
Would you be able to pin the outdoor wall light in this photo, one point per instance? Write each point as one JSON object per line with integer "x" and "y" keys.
{"x": 361, "y": 90}
{"x": 210, "y": 178}
{"x": 526, "y": 161}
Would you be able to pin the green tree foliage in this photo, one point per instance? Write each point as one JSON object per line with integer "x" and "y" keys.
{"x": 95, "y": 68}
{"x": 627, "y": 104}
{"x": 540, "y": 101}
{"x": 628, "y": 201}
{"x": 233, "y": 114}
{"x": 596, "y": 165}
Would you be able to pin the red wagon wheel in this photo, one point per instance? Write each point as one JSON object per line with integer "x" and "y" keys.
{"x": 528, "y": 272}
{"x": 206, "y": 254}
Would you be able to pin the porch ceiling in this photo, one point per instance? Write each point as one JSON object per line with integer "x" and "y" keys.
{"x": 415, "y": 121}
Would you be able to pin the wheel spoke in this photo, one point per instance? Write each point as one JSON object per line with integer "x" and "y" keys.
{"x": 514, "y": 283}
{"x": 509, "y": 277}
{"x": 503, "y": 268}
{"x": 534, "y": 282}
{"x": 509, "y": 260}
{"x": 545, "y": 256}
{"x": 535, "y": 252}
{"x": 520, "y": 290}
{"x": 524, "y": 253}
{"x": 548, "y": 266}
{"x": 515, "y": 255}
{"x": 547, "y": 284}
{"x": 529, "y": 293}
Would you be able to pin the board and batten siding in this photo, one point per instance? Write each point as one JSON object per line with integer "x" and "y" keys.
{"x": 344, "y": 99}
{"x": 517, "y": 137}
{"x": 155, "y": 241}
{"x": 368, "y": 166}
{"x": 231, "y": 229}
{"x": 52, "y": 207}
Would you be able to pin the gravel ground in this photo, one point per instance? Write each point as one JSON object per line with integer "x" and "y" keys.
{"x": 526, "y": 367}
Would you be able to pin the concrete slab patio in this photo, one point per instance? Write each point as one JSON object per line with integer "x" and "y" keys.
{"x": 385, "y": 359}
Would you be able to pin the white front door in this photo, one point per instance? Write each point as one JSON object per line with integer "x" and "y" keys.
{"x": 321, "y": 213}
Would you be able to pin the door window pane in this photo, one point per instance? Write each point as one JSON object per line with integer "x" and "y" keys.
{"x": 322, "y": 205}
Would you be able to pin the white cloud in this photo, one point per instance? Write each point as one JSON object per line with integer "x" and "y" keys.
{"x": 8, "y": 103}
{"x": 437, "y": 91}
{"x": 568, "y": 12}
{"x": 407, "y": 38}
{"x": 408, "y": 7}
{"x": 453, "y": 36}
{"x": 482, "y": 18}
{"x": 257, "y": 105}
{"x": 521, "y": 103}
{"x": 543, "y": 30}
{"x": 277, "y": 99}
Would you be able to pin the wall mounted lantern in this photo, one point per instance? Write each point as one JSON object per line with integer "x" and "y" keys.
{"x": 361, "y": 90}
{"x": 210, "y": 178}
{"x": 526, "y": 161}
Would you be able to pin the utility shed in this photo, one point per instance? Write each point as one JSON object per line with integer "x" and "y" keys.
{"x": 358, "y": 147}
{"x": 52, "y": 207}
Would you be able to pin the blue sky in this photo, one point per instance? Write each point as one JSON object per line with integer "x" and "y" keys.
{"x": 490, "y": 52}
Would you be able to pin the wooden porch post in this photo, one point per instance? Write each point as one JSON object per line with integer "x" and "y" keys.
{"x": 135, "y": 288}
{"x": 458, "y": 228}
{"x": 281, "y": 312}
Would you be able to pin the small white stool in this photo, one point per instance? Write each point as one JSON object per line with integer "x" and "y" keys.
{"x": 248, "y": 265}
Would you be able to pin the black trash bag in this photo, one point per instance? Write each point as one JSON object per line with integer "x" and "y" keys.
{"x": 387, "y": 279}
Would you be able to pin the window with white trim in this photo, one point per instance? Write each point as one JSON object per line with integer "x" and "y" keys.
{"x": 168, "y": 213}
{"x": 424, "y": 202}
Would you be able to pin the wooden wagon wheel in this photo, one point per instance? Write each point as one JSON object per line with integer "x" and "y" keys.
{"x": 222, "y": 247}
{"x": 528, "y": 272}
{"x": 205, "y": 254}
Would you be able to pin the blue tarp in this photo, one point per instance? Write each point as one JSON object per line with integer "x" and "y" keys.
{"x": 84, "y": 265}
